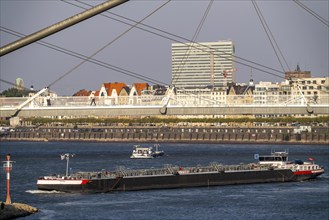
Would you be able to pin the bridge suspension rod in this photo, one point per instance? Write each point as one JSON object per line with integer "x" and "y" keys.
{"x": 59, "y": 26}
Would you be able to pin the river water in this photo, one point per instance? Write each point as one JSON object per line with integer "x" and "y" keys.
{"x": 296, "y": 200}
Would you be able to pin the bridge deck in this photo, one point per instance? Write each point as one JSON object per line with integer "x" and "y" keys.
{"x": 80, "y": 106}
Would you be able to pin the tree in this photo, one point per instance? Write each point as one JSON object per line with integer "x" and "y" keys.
{"x": 14, "y": 92}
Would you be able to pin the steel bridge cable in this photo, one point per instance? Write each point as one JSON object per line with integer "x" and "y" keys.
{"x": 267, "y": 31}
{"x": 109, "y": 64}
{"x": 13, "y": 84}
{"x": 136, "y": 27}
{"x": 178, "y": 40}
{"x": 175, "y": 40}
{"x": 194, "y": 37}
{"x": 182, "y": 38}
{"x": 187, "y": 40}
{"x": 51, "y": 46}
{"x": 314, "y": 14}
{"x": 262, "y": 18}
{"x": 100, "y": 63}
{"x": 256, "y": 68}
{"x": 108, "y": 44}
{"x": 83, "y": 57}
{"x": 97, "y": 62}
{"x": 211, "y": 100}
{"x": 187, "y": 52}
{"x": 91, "y": 60}
{"x": 196, "y": 33}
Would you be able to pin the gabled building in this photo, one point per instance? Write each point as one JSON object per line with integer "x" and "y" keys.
{"x": 136, "y": 92}
{"x": 240, "y": 93}
{"x": 110, "y": 92}
{"x": 124, "y": 96}
{"x": 107, "y": 88}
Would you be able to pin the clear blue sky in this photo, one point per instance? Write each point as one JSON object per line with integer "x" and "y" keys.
{"x": 301, "y": 38}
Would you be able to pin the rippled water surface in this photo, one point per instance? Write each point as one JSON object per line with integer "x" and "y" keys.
{"x": 296, "y": 200}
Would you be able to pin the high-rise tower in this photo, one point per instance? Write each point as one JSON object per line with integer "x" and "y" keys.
{"x": 201, "y": 65}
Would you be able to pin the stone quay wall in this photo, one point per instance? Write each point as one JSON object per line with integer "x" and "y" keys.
{"x": 319, "y": 135}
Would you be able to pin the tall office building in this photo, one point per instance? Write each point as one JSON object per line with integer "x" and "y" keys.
{"x": 202, "y": 65}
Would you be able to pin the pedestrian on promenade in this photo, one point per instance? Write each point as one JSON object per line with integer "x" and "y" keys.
{"x": 92, "y": 97}
{"x": 48, "y": 100}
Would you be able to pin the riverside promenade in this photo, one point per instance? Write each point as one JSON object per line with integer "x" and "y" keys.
{"x": 209, "y": 134}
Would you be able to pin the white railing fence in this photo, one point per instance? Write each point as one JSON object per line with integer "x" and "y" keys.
{"x": 177, "y": 100}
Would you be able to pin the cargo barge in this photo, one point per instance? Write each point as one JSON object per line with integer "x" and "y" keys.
{"x": 270, "y": 169}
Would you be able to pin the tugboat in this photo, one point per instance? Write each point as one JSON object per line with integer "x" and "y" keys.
{"x": 269, "y": 169}
{"x": 301, "y": 169}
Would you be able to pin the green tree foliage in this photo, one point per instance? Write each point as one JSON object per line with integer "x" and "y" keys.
{"x": 157, "y": 121}
{"x": 4, "y": 122}
{"x": 14, "y": 92}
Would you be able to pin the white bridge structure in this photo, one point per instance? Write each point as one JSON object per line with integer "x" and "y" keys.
{"x": 170, "y": 104}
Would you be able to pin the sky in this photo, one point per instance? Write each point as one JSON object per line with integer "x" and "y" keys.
{"x": 301, "y": 37}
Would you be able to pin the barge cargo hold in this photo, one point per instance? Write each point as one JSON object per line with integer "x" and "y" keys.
{"x": 269, "y": 169}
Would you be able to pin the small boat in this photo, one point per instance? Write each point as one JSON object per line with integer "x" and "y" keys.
{"x": 157, "y": 152}
{"x": 140, "y": 152}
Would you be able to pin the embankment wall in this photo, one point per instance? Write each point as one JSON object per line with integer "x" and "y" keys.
{"x": 173, "y": 134}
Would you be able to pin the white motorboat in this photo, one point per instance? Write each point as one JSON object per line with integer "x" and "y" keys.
{"x": 140, "y": 152}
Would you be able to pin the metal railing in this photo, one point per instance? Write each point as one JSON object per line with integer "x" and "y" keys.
{"x": 193, "y": 101}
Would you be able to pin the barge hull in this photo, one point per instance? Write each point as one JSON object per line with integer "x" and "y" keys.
{"x": 203, "y": 180}
{"x": 169, "y": 181}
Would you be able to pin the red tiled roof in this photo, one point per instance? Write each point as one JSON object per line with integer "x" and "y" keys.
{"x": 140, "y": 87}
{"x": 107, "y": 85}
{"x": 117, "y": 86}
{"x": 82, "y": 92}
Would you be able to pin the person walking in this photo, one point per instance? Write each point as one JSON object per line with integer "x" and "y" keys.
{"x": 92, "y": 97}
{"x": 48, "y": 100}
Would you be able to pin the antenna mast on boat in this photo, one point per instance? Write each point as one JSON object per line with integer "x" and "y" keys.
{"x": 67, "y": 157}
